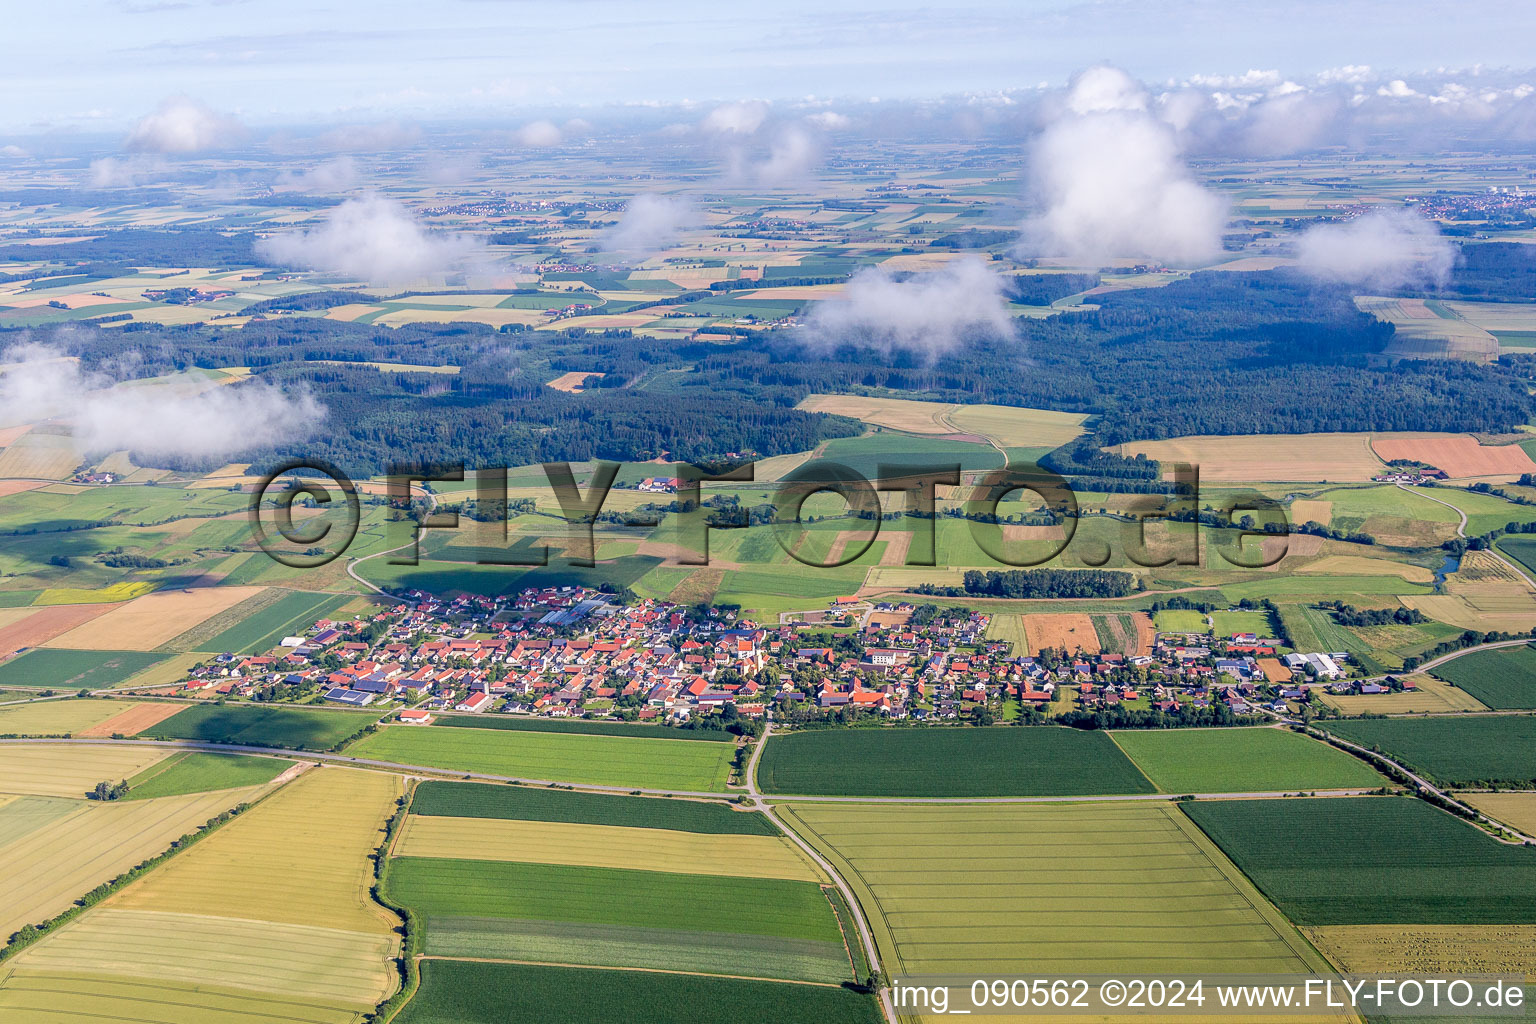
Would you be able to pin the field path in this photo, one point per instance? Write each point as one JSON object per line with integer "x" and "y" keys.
{"x": 1461, "y": 531}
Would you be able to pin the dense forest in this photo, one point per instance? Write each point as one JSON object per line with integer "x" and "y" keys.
{"x": 1220, "y": 353}
{"x": 1039, "y": 583}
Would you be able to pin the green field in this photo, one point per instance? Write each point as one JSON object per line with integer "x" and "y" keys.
{"x": 996, "y": 761}
{"x": 525, "y": 803}
{"x": 290, "y": 728}
{"x": 458, "y": 992}
{"x": 1464, "y": 750}
{"x": 1372, "y": 860}
{"x": 1504, "y": 678}
{"x": 1180, "y": 620}
{"x": 1045, "y": 890}
{"x": 1228, "y": 623}
{"x": 75, "y": 670}
{"x": 576, "y": 725}
{"x": 1241, "y": 761}
{"x": 597, "y": 760}
{"x": 1521, "y": 548}
{"x": 199, "y": 772}
{"x": 621, "y": 918}
{"x": 295, "y": 612}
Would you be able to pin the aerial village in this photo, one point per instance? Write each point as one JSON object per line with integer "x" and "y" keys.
{"x": 576, "y": 652}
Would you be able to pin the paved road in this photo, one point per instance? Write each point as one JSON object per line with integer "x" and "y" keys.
{"x": 449, "y": 773}
{"x": 354, "y": 563}
{"x": 1437, "y": 662}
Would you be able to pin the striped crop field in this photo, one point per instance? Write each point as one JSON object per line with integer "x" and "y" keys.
{"x": 1049, "y": 890}
{"x": 605, "y": 846}
{"x": 274, "y": 909}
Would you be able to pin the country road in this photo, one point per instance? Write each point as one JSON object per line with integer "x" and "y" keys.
{"x": 450, "y": 773}
{"x": 1461, "y": 531}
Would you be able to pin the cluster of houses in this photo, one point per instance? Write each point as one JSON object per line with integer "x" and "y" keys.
{"x": 572, "y": 651}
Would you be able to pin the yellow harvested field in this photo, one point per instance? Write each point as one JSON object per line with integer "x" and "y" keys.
{"x": 1018, "y": 428}
{"x": 1358, "y": 565}
{"x": 1304, "y": 510}
{"x": 1008, "y": 426}
{"x": 895, "y": 413}
{"x": 346, "y": 967}
{"x": 1518, "y": 810}
{"x": 225, "y": 476}
{"x": 40, "y": 456}
{"x": 604, "y": 846}
{"x": 133, "y": 720}
{"x": 572, "y": 382}
{"x": 308, "y": 845}
{"x": 49, "y": 867}
{"x": 74, "y": 997}
{"x": 1398, "y": 949}
{"x": 42, "y": 624}
{"x": 1422, "y": 333}
{"x": 1256, "y": 458}
{"x": 54, "y": 717}
{"x": 1459, "y": 455}
{"x": 46, "y": 769}
{"x": 1509, "y": 607}
{"x": 1497, "y": 316}
{"x": 490, "y": 317}
{"x": 149, "y": 621}
{"x": 1429, "y": 694}
{"x": 1069, "y": 631}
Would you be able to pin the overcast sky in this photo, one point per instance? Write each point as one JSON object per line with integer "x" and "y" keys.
{"x": 100, "y": 64}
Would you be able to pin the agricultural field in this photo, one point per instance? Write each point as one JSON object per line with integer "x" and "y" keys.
{"x": 527, "y": 803}
{"x": 199, "y": 915}
{"x": 1053, "y": 890}
{"x": 1459, "y": 455}
{"x": 1008, "y": 426}
{"x": 1371, "y": 860}
{"x": 39, "y": 625}
{"x": 633, "y": 730}
{"x": 1180, "y": 620}
{"x": 198, "y": 772}
{"x": 56, "y": 849}
{"x": 1299, "y": 458}
{"x": 1010, "y": 628}
{"x": 1431, "y": 949}
{"x": 959, "y": 761}
{"x": 133, "y": 718}
{"x": 1232, "y": 760}
{"x": 56, "y": 717}
{"x": 604, "y": 846}
{"x": 752, "y": 927}
{"x": 75, "y": 670}
{"x": 596, "y": 760}
{"x": 1464, "y": 750}
{"x": 70, "y": 770}
{"x": 147, "y": 622}
{"x": 1504, "y": 678}
{"x": 459, "y": 992}
{"x": 297, "y": 610}
{"x": 1518, "y": 810}
{"x": 290, "y": 728}
{"x": 1428, "y": 695}
{"x": 1068, "y": 631}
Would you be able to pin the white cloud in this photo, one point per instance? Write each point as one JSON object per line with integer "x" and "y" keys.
{"x": 13, "y": 152}
{"x": 1381, "y": 249}
{"x": 539, "y": 135}
{"x": 830, "y": 121}
{"x": 118, "y": 172}
{"x": 650, "y": 223}
{"x": 928, "y": 313}
{"x": 190, "y": 420}
{"x": 336, "y": 175}
{"x": 372, "y": 239}
{"x": 1111, "y": 181}
{"x": 742, "y": 118}
{"x": 368, "y": 138}
{"x": 183, "y": 125}
{"x": 791, "y": 156}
